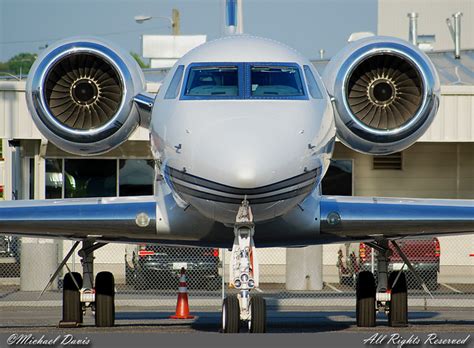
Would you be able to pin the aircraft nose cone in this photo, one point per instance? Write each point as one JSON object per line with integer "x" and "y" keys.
{"x": 243, "y": 154}
{"x": 246, "y": 176}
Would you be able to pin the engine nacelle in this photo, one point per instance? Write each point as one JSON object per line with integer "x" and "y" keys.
{"x": 386, "y": 94}
{"x": 80, "y": 94}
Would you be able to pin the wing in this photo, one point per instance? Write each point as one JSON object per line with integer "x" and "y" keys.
{"x": 369, "y": 217}
{"x": 89, "y": 218}
{"x": 143, "y": 219}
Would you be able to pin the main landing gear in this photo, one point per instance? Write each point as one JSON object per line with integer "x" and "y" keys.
{"x": 390, "y": 295}
{"x": 80, "y": 294}
{"x": 243, "y": 275}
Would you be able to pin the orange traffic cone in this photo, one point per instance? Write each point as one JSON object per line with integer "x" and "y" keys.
{"x": 182, "y": 306}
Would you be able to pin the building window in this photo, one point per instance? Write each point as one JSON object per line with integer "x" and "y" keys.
{"x": 90, "y": 178}
{"x": 80, "y": 178}
{"x": 338, "y": 179}
{"x": 136, "y": 177}
{"x": 54, "y": 178}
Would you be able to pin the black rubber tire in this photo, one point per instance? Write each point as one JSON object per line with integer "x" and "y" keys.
{"x": 104, "y": 299}
{"x": 398, "y": 313}
{"x": 365, "y": 299}
{"x": 72, "y": 308}
{"x": 258, "y": 308}
{"x": 231, "y": 314}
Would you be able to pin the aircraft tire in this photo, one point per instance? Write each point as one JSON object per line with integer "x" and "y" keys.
{"x": 258, "y": 308}
{"x": 398, "y": 313}
{"x": 365, "y": 299}
{"x": 72, "y": 309}
{"x": 231, "y": 314}
{"x": 104, "y": 299}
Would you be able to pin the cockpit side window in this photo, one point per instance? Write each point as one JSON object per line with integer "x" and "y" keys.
{"x": 212, "y": 82}
{"x": 275, "y": 81}
{"x": 173, "y": 89}
{"x": 312, "y": 84}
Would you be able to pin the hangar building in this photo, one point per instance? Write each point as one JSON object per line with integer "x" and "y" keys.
{"x": 439, "y": 165}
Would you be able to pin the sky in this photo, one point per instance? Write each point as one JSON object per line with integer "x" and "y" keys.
{"x": 307, "y": 25}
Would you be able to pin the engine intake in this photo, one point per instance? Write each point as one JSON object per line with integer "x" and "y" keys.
{"x": 83, "y": 91}
{"x": 386, "y": 94}
{"x": 385, "y": 91}
{"x": 80, "y": 95}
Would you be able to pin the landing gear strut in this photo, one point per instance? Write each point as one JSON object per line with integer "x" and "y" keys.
{"x": 243, "y": 276}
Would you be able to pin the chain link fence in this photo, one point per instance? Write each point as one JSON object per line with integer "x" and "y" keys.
{"x": 147, "y": 274}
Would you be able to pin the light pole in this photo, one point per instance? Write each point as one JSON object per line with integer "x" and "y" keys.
{"x": 174, "y": 20}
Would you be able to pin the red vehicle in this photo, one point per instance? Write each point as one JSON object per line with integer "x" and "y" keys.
{"x": 424, "y": 254}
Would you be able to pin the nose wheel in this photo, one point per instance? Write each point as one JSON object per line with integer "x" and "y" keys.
{"x": 257, "y": 320}
{"x": 243, "y": 274}
{"x": 258, "y": 315}
{"x": 231, "y": 314}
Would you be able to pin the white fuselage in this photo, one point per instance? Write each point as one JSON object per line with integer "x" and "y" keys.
{"x": 214, "y": 153}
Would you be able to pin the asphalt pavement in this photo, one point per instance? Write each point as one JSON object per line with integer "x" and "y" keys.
{"x": 297, "y": 320}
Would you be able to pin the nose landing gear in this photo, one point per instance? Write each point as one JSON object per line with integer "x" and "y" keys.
{"x": 243, "y": 276}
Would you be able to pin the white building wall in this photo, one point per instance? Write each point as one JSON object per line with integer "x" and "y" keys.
{"x": 455, "y": 119}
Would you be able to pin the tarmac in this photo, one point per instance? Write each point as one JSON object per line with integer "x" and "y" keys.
{"x": 330, "y": 296}
{"x": 292, "y": 320}
{"x": 149, "y": 311}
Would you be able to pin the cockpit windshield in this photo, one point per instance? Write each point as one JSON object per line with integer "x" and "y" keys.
{"x": 246, "y": 80}
{"x": 271, "y": 81}
{"x": 213, "y": 81}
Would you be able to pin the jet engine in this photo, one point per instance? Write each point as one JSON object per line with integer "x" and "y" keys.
{"x": 385, "y": 93}
{"x": 80, "y": 94}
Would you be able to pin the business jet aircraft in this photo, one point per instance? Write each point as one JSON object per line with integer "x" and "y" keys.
{"x": 242, "y": 130}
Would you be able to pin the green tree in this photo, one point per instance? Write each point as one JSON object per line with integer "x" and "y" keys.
{"x": 22, "y": 62}
{"x": 139, "y": 60}
{"x": 4, "y": 66}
